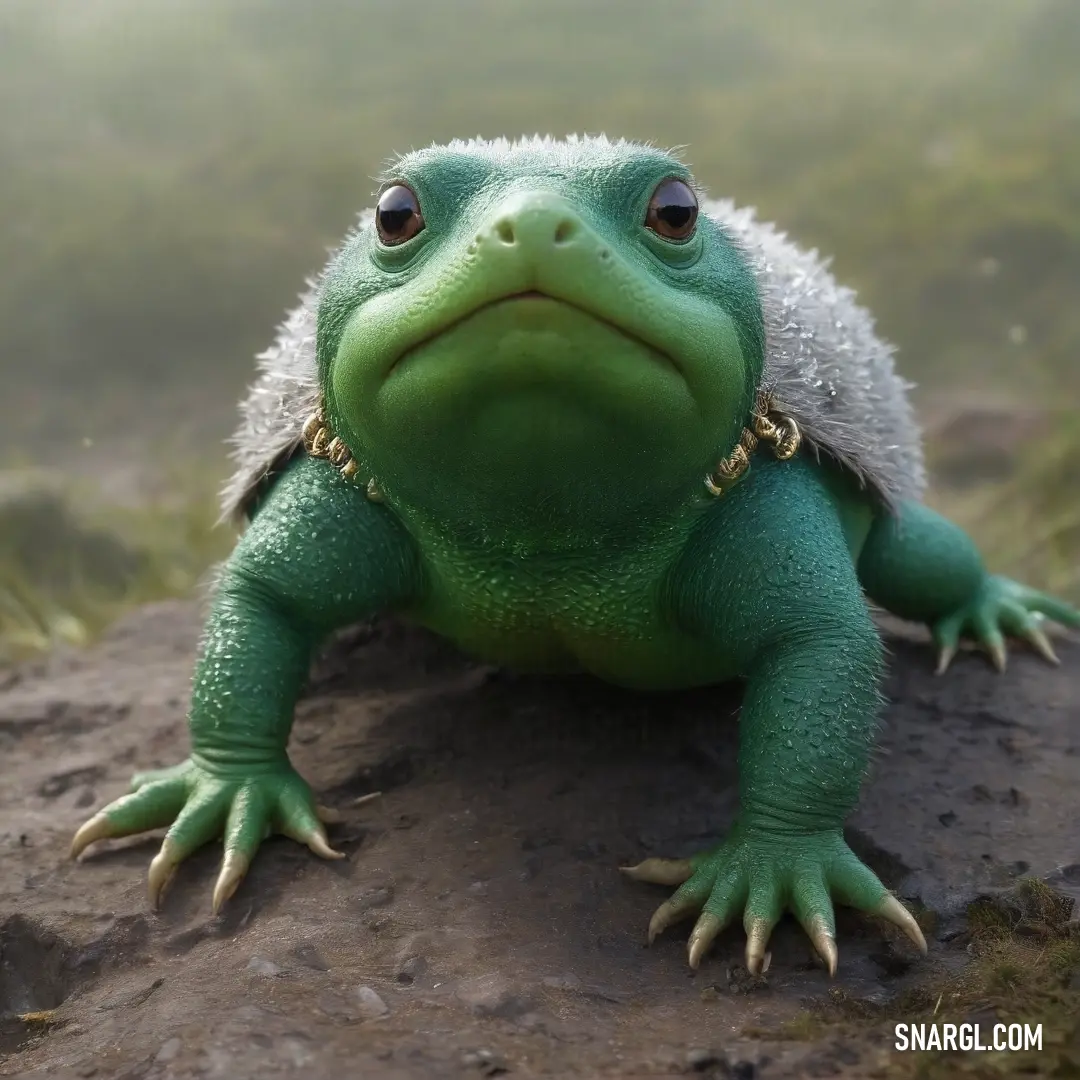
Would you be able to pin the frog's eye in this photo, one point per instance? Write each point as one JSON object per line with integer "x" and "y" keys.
{"x": 397, "y": 216}
{"x": 673, "y": 210}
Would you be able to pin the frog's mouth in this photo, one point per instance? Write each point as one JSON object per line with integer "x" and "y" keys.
{"x": 537, "y": 296}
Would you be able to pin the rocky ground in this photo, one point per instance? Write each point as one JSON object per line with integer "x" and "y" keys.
{"x": 479, "y": 926}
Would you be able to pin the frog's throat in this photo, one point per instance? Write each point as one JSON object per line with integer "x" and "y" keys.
{"x": 766, "y": 424}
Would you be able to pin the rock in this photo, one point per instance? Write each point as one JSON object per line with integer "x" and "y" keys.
{"x": 411, "y": 962}
{"x": 492, "y": 995}
{"x": 169, "y": 1050}
{"x": 700, "y": 1060}
{"x": 369, "y": 1005}
{"x": 485, "y": 1062}
{"x": 948, "y": 899}
{"x": 411, "y": 969}
{"x": 266, "y": 969}
{"x": 375, "y": 896}
{"x": 336, "y": 1005}
{"x": 305, "y": 953}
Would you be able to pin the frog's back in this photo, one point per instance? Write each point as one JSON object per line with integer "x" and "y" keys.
{"x": 825, "y": 364}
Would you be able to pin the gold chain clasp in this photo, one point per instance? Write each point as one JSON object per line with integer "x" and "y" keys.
{"x": 766, "y": 425}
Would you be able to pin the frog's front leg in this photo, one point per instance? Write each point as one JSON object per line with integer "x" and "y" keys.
{"x": 317, "y": 555}
{"x": 769, "y": 580}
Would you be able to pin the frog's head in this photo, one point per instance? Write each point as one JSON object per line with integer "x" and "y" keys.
{"x": 539, "y": 330}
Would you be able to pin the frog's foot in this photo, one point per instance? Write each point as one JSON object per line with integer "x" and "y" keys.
{"x": 199, "y": 805}
{"x": 1002, "y": 607}
{"x": 759, "y": 876}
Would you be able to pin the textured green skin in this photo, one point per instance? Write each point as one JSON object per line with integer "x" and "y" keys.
{"x": 542, "y": 468}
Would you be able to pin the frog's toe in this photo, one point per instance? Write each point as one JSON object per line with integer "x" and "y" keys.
{"x": 151, "y": 805}
{"x": 856, "y": 885}
{"x": 946, "y": 633}
{"x": 1001, "y": 607}
{"x": 200, "y": 821}
{"x": 985, "y": 629}
{"x": 811, "y": 903}
{"x": 181, "y": 773}
{"x": 246, "y": 825}
{"x": 1022, "y": 623}
{"x": 705, "y": 932}
{"x": 725, "y": 902}
{"x": 686, "y": 900}
{"x": 757, "y": 878}
{"x": 297, "y": 819}
{"x": 764, "y": 909}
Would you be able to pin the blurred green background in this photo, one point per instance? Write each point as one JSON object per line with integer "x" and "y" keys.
{"x": 171, "y": 170}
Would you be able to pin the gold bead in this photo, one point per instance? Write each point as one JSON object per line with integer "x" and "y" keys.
{"x": 712, "y": 486}
{"x": 319, "y": 443}
{"x": 789, "y": 439}
{"x": 731, "y": 468}
{"x": 337, "y": 452}
{"x": 764, "y": 428}
{"x": 311, "y": 428}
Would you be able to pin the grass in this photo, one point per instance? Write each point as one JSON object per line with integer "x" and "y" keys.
{"x": 171, "y": 541}
{"x": 1028, "y": 525}
{"x": 1024, "y": 967}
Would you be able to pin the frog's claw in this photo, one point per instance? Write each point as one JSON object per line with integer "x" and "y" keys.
{"x": 234, "y": 868}
{"x": 758, "y": 931}
{"x": 1000, "y": 607}
{"x": 99, "y": 827}
{"x": 660, "y": 871}
{"x": 891, "y": 909}
{"x": 945, "y": 658}
{"x": 1034, "y": 635}
{"x": 162, "y": 869}
{"x": 824, "y": 942}
{"x": 702, "y": 936}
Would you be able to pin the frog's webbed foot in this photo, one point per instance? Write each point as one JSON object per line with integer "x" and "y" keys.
{"x": 198, "y": 806}
{"x": 759, "y": 876}
{"x": 1001, "y": 607}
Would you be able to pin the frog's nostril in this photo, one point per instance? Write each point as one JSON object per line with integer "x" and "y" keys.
{"x": 565, "y": 230}
{"x": 535, "y": 229}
